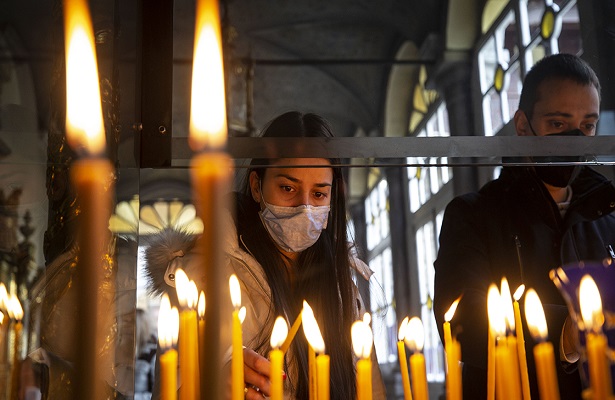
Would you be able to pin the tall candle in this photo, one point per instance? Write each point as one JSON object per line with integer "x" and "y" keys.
{"x": 452, "y": 349}
{"x": 362, "y": 342}
{"x": 317, "y": 344}
{"x": 276, "y": 358}
{"x": 525, "y": 380}
{"x": 168, "y": 327}
{"x": 512, "y": 370}
{"x": 497, "y": 327}
{"x": 596, "y": 346}
{"x": 91, "y": 177}
{"x": 238, "y": 383}
{"x": 415, "y": 338}
{"x": 201, "y": 306}
{"x": 544, "y": 357}
{"x": 313, "y": 388}
{"x": 403, "y": 361}
{"x": 188, "y": 350}
{"x": 17, "y": 312}
{"x": 211, "y": 178}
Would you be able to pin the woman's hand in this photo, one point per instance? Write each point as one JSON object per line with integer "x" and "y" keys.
{"x": 256, "y": 375}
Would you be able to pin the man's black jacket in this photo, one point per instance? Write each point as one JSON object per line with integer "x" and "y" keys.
{"x": 512, "y": 228}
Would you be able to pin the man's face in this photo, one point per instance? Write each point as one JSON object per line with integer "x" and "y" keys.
{"x": 562, "y": 105}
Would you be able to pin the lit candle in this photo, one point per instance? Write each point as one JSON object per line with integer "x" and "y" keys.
{"x": 511, "y": 342}
{"x": 317, "y": 344}
{"x": 188, "y": 331}
{"x": 403, "y": 361}
{"x": 4, "y": 297}
{"x": 238, "y": 383}
{"x": 596, "y": 347}
{"x": 276, "y": 357}
{"x": 453, "y": 356}
{"x": 362, "y": 342}
{"x": 91, "y": 176}
{"x": 168, "y": 327}
{"x": 17, "y": 314}
{"x": 525, "y": 380}
{"x": 415, "y": 338}
{"x": 211, "y": 177}
{"x": 493, "y": 304}
{"x": 200, "y": 308}
{"x": 543, "y": 351}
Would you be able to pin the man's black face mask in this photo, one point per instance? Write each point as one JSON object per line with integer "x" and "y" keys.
{"x": 559, "y": 175}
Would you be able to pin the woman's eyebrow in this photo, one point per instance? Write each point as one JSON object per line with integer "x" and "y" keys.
{"x": 296, "y": 180}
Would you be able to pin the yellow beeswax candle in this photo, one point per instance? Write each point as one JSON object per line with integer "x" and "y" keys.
{"x": 322, "y": 371}
{"x": 596, "y": 346}
{"x": 276, "y": 358}
{"x": 168, "y": 327}
{"x": 319, "y": 369}
{"x": 496, "y": 325}
{"x": 188, "y": 331}
{"x": 453, "y": 372}
{"x": 403, "y": 360}
{"x": 364, "y": 379}
{"x": 238, "y": 384}
{"x": 362, "y": 342}
{"x": 525, "y": 380}
{"x": 211, "y": 177}
{"x": 512, "y": 370}
{"x": 415, "y": 338}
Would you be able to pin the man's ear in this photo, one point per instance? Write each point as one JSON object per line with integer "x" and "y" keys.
{"x": 255, "y": 186}
{"x": 522, "y": 125}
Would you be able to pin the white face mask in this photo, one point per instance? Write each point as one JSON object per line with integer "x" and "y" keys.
{"x": 294, "y": 229}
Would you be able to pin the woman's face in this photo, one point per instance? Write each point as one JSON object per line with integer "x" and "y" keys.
{"x": 287, "y": 184}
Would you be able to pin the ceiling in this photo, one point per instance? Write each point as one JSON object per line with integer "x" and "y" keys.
{"x": 328, "y": 57}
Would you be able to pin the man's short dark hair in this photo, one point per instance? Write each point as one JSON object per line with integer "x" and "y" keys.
{"x": 557, "y": 66}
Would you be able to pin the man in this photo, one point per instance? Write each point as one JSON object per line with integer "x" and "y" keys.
{"x": 527, "y": 222}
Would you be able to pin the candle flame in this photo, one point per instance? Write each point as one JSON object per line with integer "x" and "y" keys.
{"x": 235, "y": 291}
{"x": 193, "y": 295}
{"x": 4, "y": 297}
{"x": 367, "y": 318}
{"x": 448, "y": 316}
{"x": 168, "y": 323}
{"x": 591, "y": 304}
{"x": 1, "y": 317}
{"x": 182, "y": 287}
{"x": 311, "y": 329}
{"x": 242, "y": 314}
{"x": 415, "y": 335}
{"x": 201, "y": 305}
{"x": 507, "y": 305}
{"x": 208, "y": 107}
{"x": 14, "y": 308}
{"x": 497, "y": 322}
{"x": 362, "y": 339}
{"x": 519, "y": 292}
{"x": 84, "y": 123}
{"x": 535, "y": 316}
{"x": 402, "y": 329}
{"x": 279, "y": 332}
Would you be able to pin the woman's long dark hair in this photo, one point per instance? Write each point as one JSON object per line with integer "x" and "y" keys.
{"x": 322, "y": 274}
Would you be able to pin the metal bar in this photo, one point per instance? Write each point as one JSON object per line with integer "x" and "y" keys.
{"x": 156, "y": 66}
{"x": 401, "y": 147}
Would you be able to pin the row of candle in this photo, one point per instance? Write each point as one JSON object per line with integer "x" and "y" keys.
{"x": 11, "y": 304}
{"x": 507, "y": 372}
{"x": 174, "y": 325}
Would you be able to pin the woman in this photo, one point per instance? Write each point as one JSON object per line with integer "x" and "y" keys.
{"x": 286, "y": 243}
{"x": 292, "y": 245}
